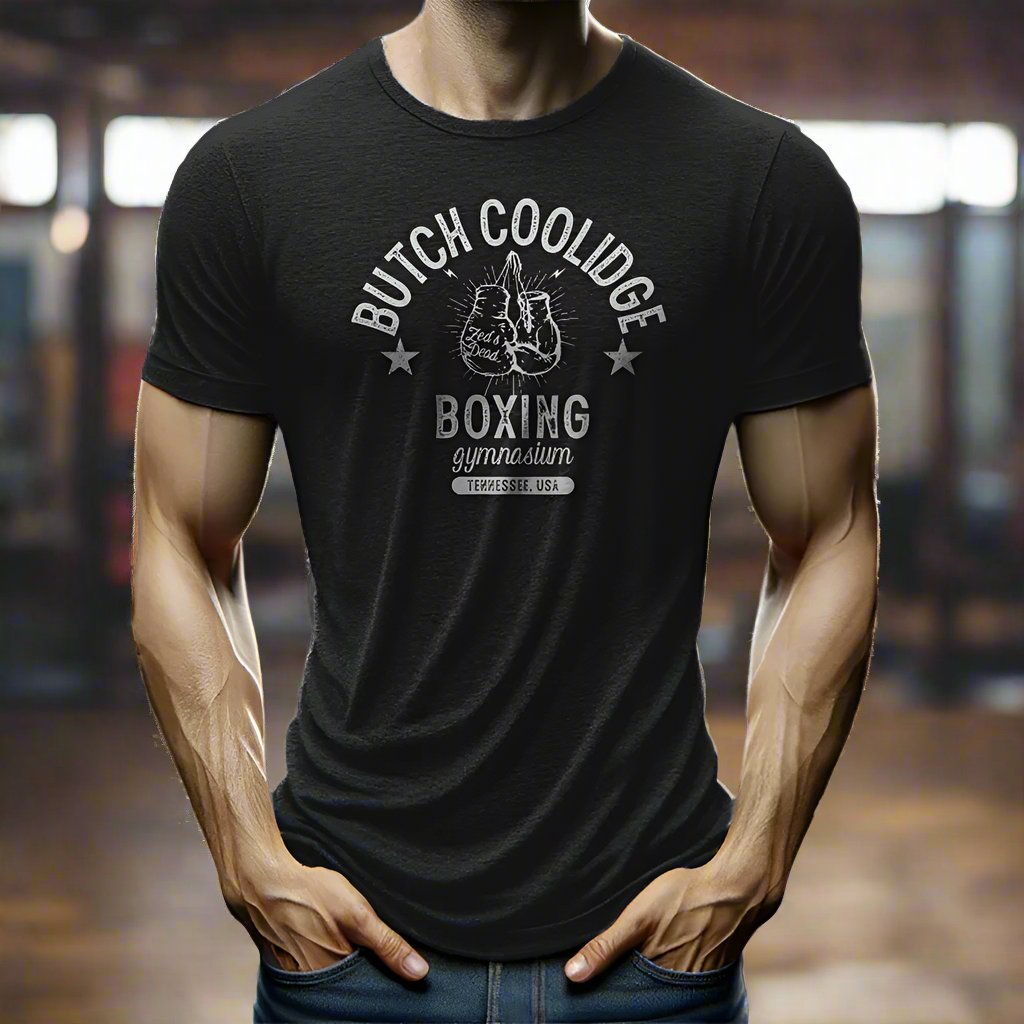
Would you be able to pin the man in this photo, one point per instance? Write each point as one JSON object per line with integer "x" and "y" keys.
{"x": 504, "y": 280}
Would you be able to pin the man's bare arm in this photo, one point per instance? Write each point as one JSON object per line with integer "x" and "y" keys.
{"x": 810, "y": 472}
{"x": 199, "y": 477}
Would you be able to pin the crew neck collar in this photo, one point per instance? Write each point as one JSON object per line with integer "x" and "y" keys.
{"x": 599, "y": 92}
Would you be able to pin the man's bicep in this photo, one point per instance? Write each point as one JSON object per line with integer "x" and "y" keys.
{"x": 810, "y": 468}
{"x": 199, "y": 472}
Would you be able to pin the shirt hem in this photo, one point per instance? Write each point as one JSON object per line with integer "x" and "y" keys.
{"x": 808, "y": 385}
{"x": 201, "y": 389}
{"x": 517, "y": 944}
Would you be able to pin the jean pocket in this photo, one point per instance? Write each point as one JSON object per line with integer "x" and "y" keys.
{"x": 716, "y": 976}
{"x": 319, "y": 976}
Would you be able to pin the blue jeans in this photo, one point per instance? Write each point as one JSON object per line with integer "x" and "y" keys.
{"x": 462, "y": 991}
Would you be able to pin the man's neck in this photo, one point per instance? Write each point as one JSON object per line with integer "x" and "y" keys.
{"x": 487, "y": 60}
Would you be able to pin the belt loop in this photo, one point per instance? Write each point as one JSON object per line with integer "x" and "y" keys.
{"x": 493, "y": 991}
{"x": 538, "y": 991}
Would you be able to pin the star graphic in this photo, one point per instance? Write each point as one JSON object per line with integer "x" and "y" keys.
{"x": 400, "y": 359}
{"x": 622, "y": 359}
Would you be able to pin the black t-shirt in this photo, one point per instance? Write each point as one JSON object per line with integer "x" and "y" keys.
{"x": 504, "y": 358}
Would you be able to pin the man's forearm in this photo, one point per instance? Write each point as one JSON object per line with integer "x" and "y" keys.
{"x": 197, "y": 652}
{"x": 810, "y": 654}
{"x": 199, "y": 477}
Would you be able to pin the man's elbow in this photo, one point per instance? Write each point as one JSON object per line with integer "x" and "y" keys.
{"x": 845, "y": 542}
{"x": 166, "y": 567}
{"x": 145, "y": 612}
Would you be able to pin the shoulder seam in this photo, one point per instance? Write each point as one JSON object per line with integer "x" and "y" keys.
{"x": 755, "y": 208}
{"x": 257, "y": 241}
{"x": 761, "y": 187}
{"x": 238, "y": 192}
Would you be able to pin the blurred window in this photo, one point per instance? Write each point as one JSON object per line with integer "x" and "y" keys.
{"x": 901, "y": 320}
{"x": 141, "y": 155}
{"x": 28, "y": 159}
{"x": 904, "y": 168}
{"x": 983, "y": 315}
{"x": 982, "y": 164}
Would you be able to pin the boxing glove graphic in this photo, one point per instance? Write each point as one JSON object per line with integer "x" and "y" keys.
{"x": 539, "y": 345}
{"x": 511, "y": 276}
{"x": 493, "y": 344}
{"x": 489, "y": 336}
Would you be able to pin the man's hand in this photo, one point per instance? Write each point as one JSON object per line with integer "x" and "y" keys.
{"x": 688, "y": 919}
{"x": 307, "y": 918}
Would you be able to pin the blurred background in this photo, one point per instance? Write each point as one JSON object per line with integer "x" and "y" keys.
{"x": 905, "y": 906}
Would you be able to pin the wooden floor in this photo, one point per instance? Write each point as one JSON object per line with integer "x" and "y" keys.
{"x": 906, "y": 906}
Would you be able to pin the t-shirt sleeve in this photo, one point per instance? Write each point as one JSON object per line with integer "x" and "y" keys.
{"x": 208, "y": 342}
{"x": 804, "y": 280}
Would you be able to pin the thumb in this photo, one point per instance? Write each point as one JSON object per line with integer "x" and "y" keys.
{"x": 372, "y": 932}
{"x": 602, "y": 950}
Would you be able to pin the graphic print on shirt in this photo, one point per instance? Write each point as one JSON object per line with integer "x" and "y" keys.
{"x": 512, "y": 330}
{"x": 510, "y": 326}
